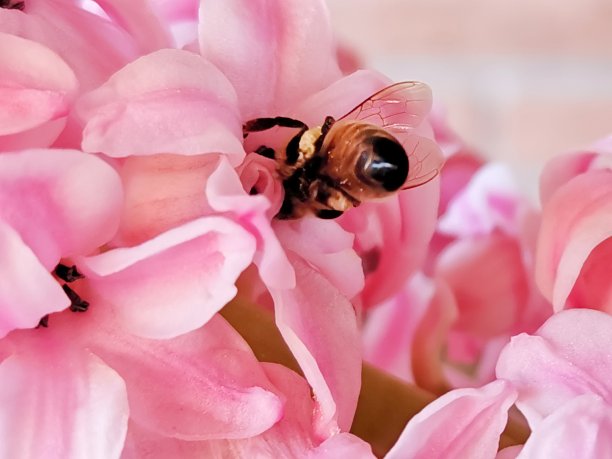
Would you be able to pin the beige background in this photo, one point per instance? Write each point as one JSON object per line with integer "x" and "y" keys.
{"x": 521, "y": 80}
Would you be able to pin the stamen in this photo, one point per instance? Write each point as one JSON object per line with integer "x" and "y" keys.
{"x": 67, "y": 273}
{"x": 77, "y": 304}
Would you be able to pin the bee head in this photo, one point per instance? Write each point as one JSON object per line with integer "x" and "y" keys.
{"x": 382, "y": 163}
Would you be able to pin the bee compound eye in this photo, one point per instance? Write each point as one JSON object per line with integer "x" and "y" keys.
{"x": 386, "y": 163}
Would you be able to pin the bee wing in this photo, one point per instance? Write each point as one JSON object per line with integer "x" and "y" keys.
{"x": 403, "y": 105}
{"x": 425, "y": 159}
{"x": 400, "y": 109}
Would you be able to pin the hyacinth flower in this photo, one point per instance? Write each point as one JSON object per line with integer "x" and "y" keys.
{"x": 574, "y": 237}
{"x": 139, "y": 282}
{"x": 153, "y": 305}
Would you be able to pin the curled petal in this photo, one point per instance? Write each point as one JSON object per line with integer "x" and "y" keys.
{"x": 328, "y": 247}
{"x": 287, "y": 38}
{"x": 568, "y": 357}
{"x": 170, "y": 101}
{"x": 36, "y": 86}
{"x": 580, "y": 428}
{"x": 461, "y": 423}
{"x": 175, "y": 282}
{"x": 202, "y": 385}
{"x": 319, "y": 325}
{"x": 225, "y": 193}
{"x": 61, "y": 404}
{"x": 61, "y": 202}
{"x": 574, "y": 222}
{"x": 27, "y": 290}
{"x": 258, "y": 176}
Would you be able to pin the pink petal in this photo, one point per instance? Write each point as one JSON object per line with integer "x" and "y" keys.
{"x": 170, "y": 101}
{"x": 92, "y": 46}
{"x": 269, "y": 50}
{"x": 489, "y": 283}
{"x": 490, "y": 201}
{"x": 560, "y": 169}
{"x": 138, "y": 19}
{"x": 511, "y": 452}
{"x": 36, "y": 86}
{"x": 340, "y": 97}
{"x": 61, "y": 403}
{"x": 389, "y": 330}
{"x": 580, "y": 428}
{"x": 457, "y": 172}
{"x": 61, "y": 202}
{"x": 342, "y": 445}
{"x": 327, "y": 247}
{"x": 319, "y": 325}
{"x": 203, "y": 385}
{"x": 258, "y": 175}
{"x": 592, "y": 288}
{"x": 175, "y": 282}
{"x": 430, "y": 343}
{"x": 461, "y": 423}
{"x": 392, "y": 236}
{"x": 27, "y": 290}
{"x": 568, "y": 357}
{"x": 162, "y": 192}
{"x": 291, "y": 437}
{"x": 574, "y": 222}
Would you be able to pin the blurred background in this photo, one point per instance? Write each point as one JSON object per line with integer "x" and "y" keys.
{"x": 520, "y": 80}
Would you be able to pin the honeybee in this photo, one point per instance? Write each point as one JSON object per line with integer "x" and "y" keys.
{"x": 371, "y": 152}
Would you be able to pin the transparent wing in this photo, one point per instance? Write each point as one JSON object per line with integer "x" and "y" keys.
{"x": 400, "y": 109}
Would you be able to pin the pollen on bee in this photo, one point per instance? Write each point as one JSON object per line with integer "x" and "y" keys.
{"x": 308, "y": 140}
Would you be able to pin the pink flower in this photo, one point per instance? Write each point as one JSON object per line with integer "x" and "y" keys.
{"x": 574, "y": 238}
{"x": 480, "y": 293}
{"x": 464, "y": 423}
{"x": 292, "y": 436}
{"x": 286, "y": 39}
{"x": 170, "y": 101}
{"x": 142, "y": 111}
{"x": 562, "y": 375}
{"x": 53, "y": 204}
{"x": 85, "y": 370}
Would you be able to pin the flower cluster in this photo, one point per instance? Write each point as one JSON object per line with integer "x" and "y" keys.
{"x": 134, "y": 214}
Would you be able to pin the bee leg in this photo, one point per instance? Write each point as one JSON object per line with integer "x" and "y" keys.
{"x": 266, "y": 152}
{"x": 263, "y": 124}
{"x": 327, "y": 124}
{"x": 328, "y": 214}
